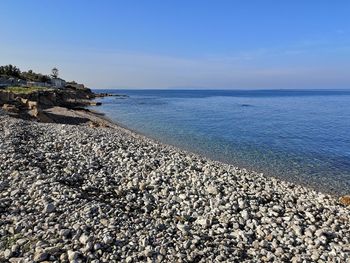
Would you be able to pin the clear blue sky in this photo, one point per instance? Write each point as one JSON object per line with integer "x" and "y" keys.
{"x": 198, "y": 44}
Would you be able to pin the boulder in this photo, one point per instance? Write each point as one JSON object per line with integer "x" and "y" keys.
{"x": 5, "y": 97}
{"x": 32, "y": 105}
{"x": 29, "y": 104}
{"x": 10, "y": 108}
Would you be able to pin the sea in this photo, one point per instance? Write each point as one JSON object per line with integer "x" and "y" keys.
{"x": 302, "y": 136}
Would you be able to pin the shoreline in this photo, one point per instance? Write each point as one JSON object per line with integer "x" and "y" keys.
{"x": 99, "y": 119}
{"x": 104, "y": 192}
{"x": 313, "y": 187}
{"x": 88, "y": 116}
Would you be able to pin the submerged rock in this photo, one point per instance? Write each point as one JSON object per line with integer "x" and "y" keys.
{"x": 345, "y": 200}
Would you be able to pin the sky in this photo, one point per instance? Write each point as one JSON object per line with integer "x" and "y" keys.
{"x": 162, "y": 44}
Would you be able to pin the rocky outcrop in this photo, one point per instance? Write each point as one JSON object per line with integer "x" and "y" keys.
{"x": 10, "y": 108}
{"x": 29, "y": 104}
{"x": 32, "y": 105}
{"x": 5, "y": 97}
{"x": 40, "y": 115}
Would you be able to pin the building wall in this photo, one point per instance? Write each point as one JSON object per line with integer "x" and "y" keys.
{"x": 58, "y": 83}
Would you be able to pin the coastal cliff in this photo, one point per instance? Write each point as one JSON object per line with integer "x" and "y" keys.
{"x": 32, "y": 104}
{"x": 29, "y": 95}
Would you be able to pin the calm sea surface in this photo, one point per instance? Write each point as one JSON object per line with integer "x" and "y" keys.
{"x": 300, "y": 136}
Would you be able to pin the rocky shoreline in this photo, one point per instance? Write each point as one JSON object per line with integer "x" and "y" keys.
{"x": 36, "y": 104}
{"x": 72, "y": 193}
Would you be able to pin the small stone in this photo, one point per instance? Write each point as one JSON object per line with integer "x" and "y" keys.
{"x": 159, "y": 258}
{"x": 308, "y": 233}
{"x": 16, "y": 260}
{"x": 310, "y": 216}
{"x": 320, "y": 232}
{"x": 14, "y": 192}
{"x": 297, "y": 230}
{"x": 264, "y": 244}
{"x": 183, "y": 196}
{"x": 256, "y": 244}
{"x": 89, "y": 246}
{"x": 52, "y": 250}
{"x": 296, "y": 259}
{"x": 49, "y": 208}
{"x": 97, "y": 246}
{"x": 279, "y": 251}
{"x": 40, "y": 256}
{"x": 21, "y": 241}
{"x": 107, "y": 240}
{"x": 162, "y": 251}
{"x": 65, "y": 232}
{"x": 212, "y": 190}
{"x": 84, "y": 239}
{"x": 242, "y": 204}
{"x": 183, "y": 228}
{"x": 203, "y": 222}
{"x": 315, "y": 255}
{"x": 63, "y": 257}
{"x": 277, "y": 208}
{"x": 245, "y": 215}
{"x": 15, "y": 173}
{"x": 269, "y": 237}
{"x": 148, "y": 252}
{"x": 7, "y": 253}
{"x": 14, "y": 249}
{"x": 104, "y": 222}
{"x": 72, "y": 255}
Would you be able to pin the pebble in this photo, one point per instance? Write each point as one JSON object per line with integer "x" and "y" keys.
{"x": 7, "y": 253}
{"x": 212, "y": 190}
{"x": 183, "y": 228}
{"x": 72, "y": 255}
{"x": 65, "y": 232}
{"x": 107, "y": 239}
{"x": 16, "y": 260}
{"x": 84, "y": 239}
{"x": 49, "y": 208}
{"x": 203, "y": 222}
{"x": 72, "y": 193}
{"x": 40, "y": 256}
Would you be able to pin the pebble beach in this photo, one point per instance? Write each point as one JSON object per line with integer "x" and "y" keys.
{"x": 73, "y": 193}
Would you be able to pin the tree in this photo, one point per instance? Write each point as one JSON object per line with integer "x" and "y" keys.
{"x": 10, "y": 71}
{"x": 54, "y": 73}
{"x": 32, "y": 76}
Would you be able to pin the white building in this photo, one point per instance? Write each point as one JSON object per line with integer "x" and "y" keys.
{"x": 58, "y": 83}
{"x": 36, "y": 84}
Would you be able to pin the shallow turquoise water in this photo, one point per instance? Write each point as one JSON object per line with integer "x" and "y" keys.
{"x": 301, "y": 136}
